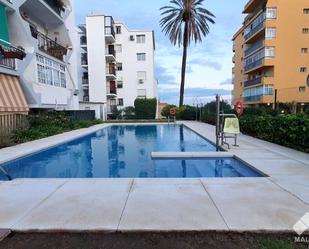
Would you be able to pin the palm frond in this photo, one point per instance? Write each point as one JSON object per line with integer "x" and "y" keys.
{"x": 186, "y": 13}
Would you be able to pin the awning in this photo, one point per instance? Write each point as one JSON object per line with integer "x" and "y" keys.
{"x": 12, "y": 98}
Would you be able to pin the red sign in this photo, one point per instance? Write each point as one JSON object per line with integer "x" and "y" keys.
{"x": 173, "y": 112}
{"x": 239, "y": 107}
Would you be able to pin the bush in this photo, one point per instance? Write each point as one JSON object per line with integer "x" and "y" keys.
{"x": 287, "y": 130}
{"x": 129, "y": 112}
{"x": 49, "y": 124}
{"x": 5, "y": 138}
{"x": 186, "y": 113}
{"x": 145, "y": 108}
{"x": 166, "y": 110}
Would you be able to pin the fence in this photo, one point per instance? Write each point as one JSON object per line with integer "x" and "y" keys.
{"x": 9, "y": 123}
{"x": 80, "y": 115}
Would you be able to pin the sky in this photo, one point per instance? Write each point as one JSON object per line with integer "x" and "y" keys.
{"x": 209, "y": 67}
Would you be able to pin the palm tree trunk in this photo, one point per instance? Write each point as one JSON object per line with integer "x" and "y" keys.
{"x": 184, "y": 65}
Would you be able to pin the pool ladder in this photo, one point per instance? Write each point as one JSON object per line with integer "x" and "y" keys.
{"x": 5, "y": 173}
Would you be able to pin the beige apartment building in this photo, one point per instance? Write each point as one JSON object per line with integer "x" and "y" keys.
{"x": 271, "y": 53}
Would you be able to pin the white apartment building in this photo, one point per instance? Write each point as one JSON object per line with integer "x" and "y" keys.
{"x": 117, "y": 65}
{"x": 44, "y": 32}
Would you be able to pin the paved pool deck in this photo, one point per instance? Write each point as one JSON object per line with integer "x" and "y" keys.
{"x": 273, "y": 203}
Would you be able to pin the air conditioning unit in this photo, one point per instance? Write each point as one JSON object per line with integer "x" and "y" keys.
{"x": 132, "y": 38}
{"x": 141, "y": 81}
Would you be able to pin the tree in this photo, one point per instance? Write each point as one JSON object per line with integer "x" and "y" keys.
{"x": 185, "y": 21}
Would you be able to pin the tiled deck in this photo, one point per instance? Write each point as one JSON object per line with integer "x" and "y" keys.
{"x": 275, "y": 203}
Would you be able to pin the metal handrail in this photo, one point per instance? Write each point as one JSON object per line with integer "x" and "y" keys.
{"x": 5, "y": 173}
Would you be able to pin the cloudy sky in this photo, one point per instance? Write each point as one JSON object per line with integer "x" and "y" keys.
{"x": 209, "y": 63}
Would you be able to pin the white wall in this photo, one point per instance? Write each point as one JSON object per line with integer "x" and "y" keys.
{"x": 131, "y": 66}
{"x": 96, "y": 58}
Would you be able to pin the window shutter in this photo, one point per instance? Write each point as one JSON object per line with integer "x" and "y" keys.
{"x": 4, "y": 32}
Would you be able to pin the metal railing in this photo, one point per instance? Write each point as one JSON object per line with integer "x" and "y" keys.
{"x": 254, "y": 47}
{"x": 9, "y": 63}
{"x": 252, "y": 82}
{"x": 47, "y": 45}
{"x": 253, "y": 98}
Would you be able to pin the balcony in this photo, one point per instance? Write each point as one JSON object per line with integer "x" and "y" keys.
{"x": 48, "y": 45}
{"x": 253, "y": 82}
{"x": 256, "y": 30}
{"x": 111, "y": 72}
{"x": 85, "y": 82}
{"x": 56, "y": 6}
{"x": 110, "y": 53}
{"x": 111, "y": 89}
{"x": 257, "y": 98}
{"x": 253, "y": 5}
{"x": 254, "y": 65}
{"x": 109, "y": 29}
{"x": 254, "y": 47}
{"x": 8, "y": 56}
{"x": 86, "y": 98}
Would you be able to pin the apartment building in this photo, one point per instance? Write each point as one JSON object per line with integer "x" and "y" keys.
{"x": 36, "y": 51}
{"x": 117, "y": 65}
{"x": 271, "y": 53}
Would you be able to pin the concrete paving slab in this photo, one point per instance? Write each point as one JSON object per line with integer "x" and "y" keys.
{"x": 19, "y": 197}
{"x": 160, "y": 206}
{"x": 80, "y": 205}
{"x": 280, "y": 167}
{"x": 255, "y": 204}
{"x": 298, "y": 186}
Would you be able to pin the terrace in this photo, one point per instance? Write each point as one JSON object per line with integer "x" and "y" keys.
{"x": 49, "y": 46}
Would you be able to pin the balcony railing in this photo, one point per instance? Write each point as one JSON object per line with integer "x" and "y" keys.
{"x": 253, "y": 82}
{"x": 254, "y": 47}
{"x": 86, "y": 98}
{"x": 48, "y": 45}
{"x": 254, "y": 64}
{"x": 256, "y": 98}
{"x": 9, "y": 54}
{"x": 109, "y": 26}
{"x": 255, "y": 30}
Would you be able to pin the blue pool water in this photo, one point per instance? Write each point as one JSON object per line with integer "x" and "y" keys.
{"x": 125, "y": 151}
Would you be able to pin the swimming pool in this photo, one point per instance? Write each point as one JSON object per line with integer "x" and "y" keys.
{"x": 123, "y": 151}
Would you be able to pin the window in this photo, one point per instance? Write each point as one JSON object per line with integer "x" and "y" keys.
{"x": 119, "y": 84}
{"x": 271, "y": 13}
{"x": 118, "y": 48}
{"x": 120, "y": 102}
{"x": 119, "y": 66}
{"x": 306, "y": 11}
{"x": 141, "y": 56}
{"x": 140, "y": 38}
{"x": 118, "y": 29}
{"x": 305, "y": 30}
{"x": 270, "y": 33}
{"x": 270, "y": 52}
{"x": 141, "y": 93}
{"x": 141, "y": 77}
{"x": 303, "y": 69}
{"x": 302, "y": 89}
{"x": 50, "y": 72}
{"x": 304, "y": 50}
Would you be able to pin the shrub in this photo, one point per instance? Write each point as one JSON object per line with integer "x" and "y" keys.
{"x": 145, "y": 108}
{"x": 287, "y": 130}
{"x": 166, "y": 110}
{"x": 5, "y": 138}
{"x": 186, "y": 113}
{"x": 129, "y": 112}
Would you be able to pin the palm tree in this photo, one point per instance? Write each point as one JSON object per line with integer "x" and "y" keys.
{"x": 184, "y": 21}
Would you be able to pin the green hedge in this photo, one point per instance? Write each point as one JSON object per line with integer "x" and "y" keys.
{"x": 287, "y": 130}
{"x": 145, "y": 108}
{"x": 49, "y": 124}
